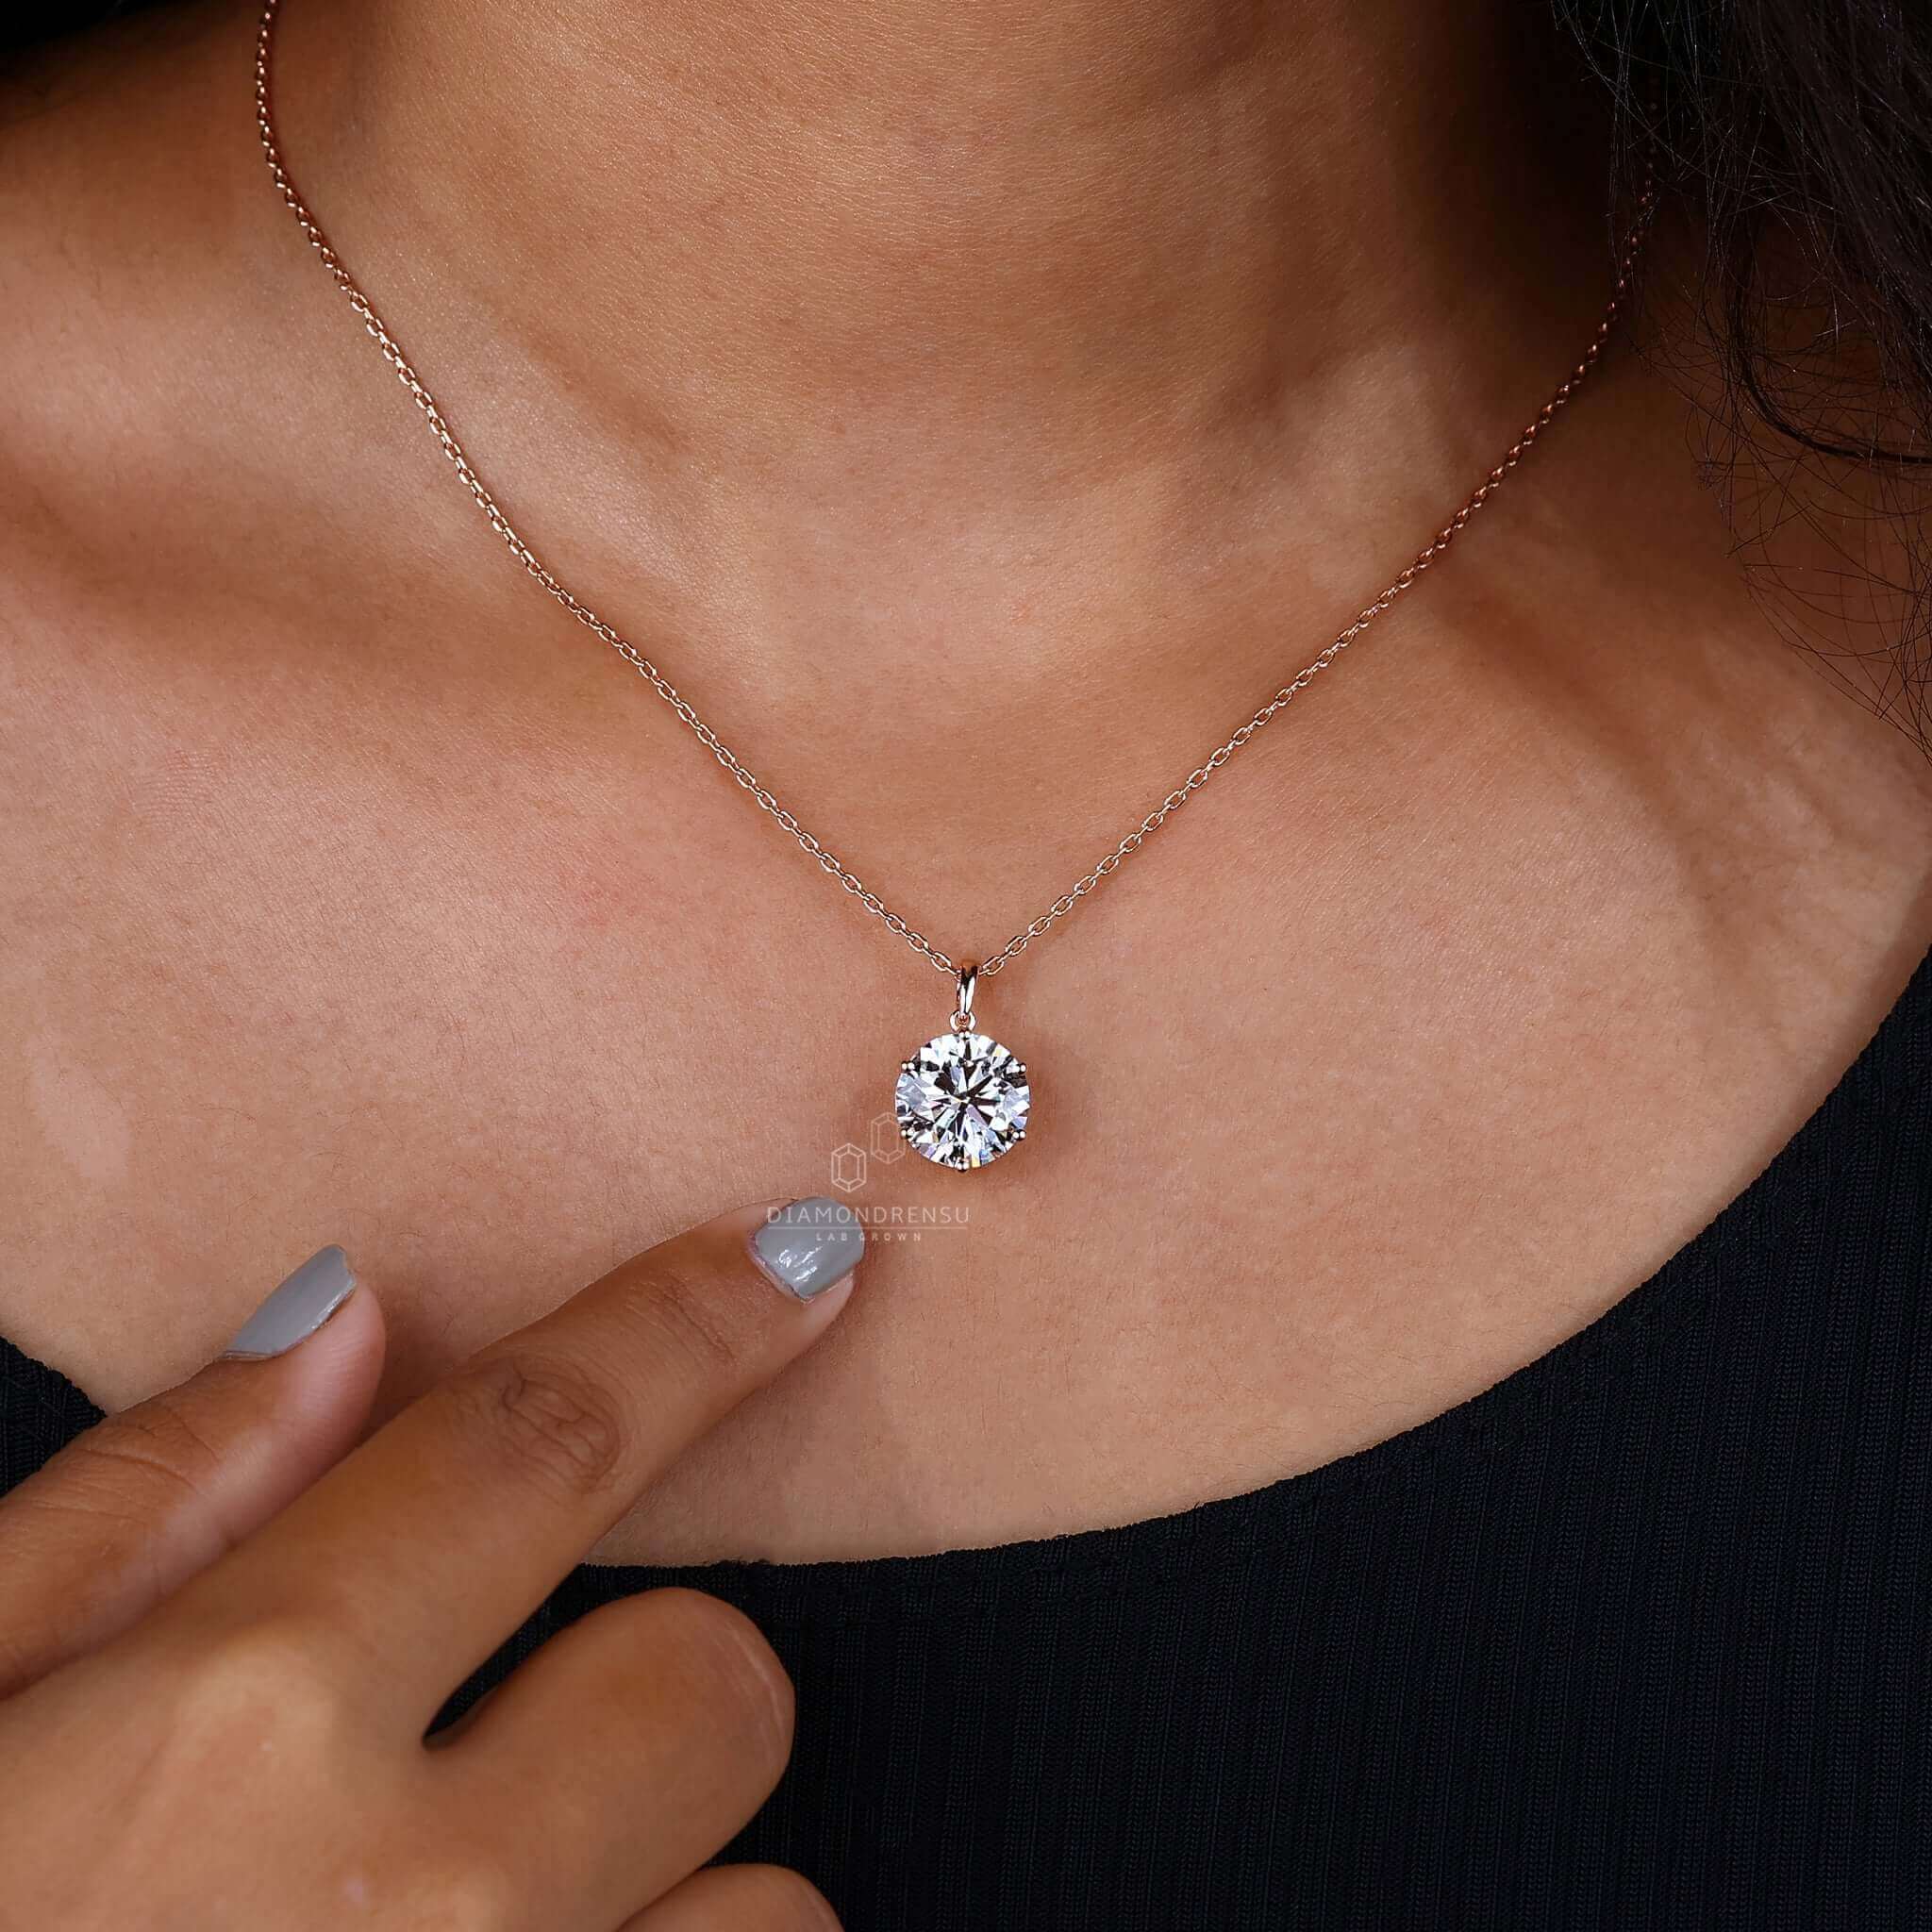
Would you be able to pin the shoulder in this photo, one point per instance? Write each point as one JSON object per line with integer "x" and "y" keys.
{"x": 106, "y": 196}
{"x": 164, "y": 512}
{"x": 121, "y": 195}
{"x": 169, "y": 536}
{"x": 120, "y": 202}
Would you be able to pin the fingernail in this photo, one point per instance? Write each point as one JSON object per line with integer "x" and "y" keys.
{"x": 296, "y": 1310}
{"x": 809, "y": 1246}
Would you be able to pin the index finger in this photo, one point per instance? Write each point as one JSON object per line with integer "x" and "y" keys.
{"x": 429, "y": 1544}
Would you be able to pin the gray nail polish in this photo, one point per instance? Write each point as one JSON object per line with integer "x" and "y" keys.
{"x": 809, "y": 1246}
{"x": 296, "y": 1310}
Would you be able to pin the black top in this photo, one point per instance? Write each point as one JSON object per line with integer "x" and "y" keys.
{"x": 1638, "y": 1637}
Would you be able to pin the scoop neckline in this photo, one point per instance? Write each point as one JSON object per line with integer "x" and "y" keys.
{"x": 1134, "y": 1554}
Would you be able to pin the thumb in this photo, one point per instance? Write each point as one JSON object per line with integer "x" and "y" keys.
{"x": 128, "y": 1511}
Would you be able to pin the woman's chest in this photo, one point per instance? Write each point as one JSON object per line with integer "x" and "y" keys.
{"x": 1307, "y": 1164}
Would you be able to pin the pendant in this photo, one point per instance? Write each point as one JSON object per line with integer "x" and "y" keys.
{"x": 963, "y": 1099}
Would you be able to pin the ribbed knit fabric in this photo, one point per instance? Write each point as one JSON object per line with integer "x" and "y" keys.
{"x": 1641, "y": 1636}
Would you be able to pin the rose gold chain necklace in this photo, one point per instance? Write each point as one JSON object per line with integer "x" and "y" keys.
{"x": 963, "y": 1099}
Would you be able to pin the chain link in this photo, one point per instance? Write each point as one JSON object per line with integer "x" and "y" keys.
{"x": 747, "y": 780}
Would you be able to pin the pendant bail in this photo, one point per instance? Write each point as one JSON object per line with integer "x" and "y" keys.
{"x": 962, "y": 1010}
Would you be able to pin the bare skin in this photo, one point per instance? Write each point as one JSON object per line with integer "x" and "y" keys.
{"x": 977, "y": 422}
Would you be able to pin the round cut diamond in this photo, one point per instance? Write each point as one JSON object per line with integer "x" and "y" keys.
{"x": 963, "y": 1100}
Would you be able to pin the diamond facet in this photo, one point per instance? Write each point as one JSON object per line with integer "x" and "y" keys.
{"x": 963, "y": 1100}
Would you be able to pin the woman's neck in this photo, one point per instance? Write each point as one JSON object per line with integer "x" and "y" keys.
{"x": 892, "y": 312}
{"x": 1058, "y": 226}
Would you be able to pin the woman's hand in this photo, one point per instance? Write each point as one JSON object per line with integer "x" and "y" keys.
{"x": 220, "y": 1645}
